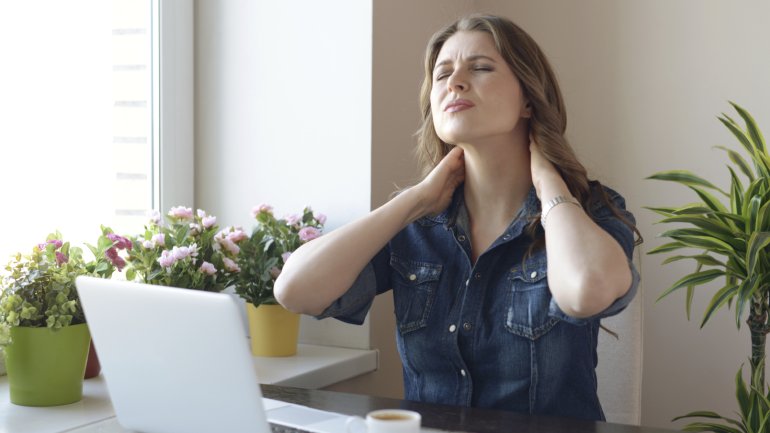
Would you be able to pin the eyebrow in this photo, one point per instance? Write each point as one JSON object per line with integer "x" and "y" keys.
{"x": 469, "y": 59}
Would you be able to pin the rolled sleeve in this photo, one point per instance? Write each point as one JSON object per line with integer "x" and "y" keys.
{"x": 353, "y": 306}
{"x": 619, "y": 305}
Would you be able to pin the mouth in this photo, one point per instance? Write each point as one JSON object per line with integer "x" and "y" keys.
{"x": 458, "y": 105}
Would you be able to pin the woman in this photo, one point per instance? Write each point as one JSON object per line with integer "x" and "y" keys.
{"x": 503, "y": 258}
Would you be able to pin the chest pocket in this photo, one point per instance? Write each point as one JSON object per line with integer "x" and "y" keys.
{"x": 414, "y": 291}
{"x": 529, "y": 299}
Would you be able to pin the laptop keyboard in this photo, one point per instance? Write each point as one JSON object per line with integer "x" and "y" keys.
{"x": 277, "y": 428}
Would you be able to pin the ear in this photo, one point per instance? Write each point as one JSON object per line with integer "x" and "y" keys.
{"x": 526, "y": 110}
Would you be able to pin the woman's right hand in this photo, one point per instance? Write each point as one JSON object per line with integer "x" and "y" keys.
{"x": 436, "y": 190}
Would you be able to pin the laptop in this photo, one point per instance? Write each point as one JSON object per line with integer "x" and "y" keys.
{"x": 178, "y": 360}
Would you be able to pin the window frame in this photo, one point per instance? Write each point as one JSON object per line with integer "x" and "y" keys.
{"x": 173, "y": 93}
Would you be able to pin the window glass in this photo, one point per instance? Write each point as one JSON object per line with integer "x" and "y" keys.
{"x": 77, "y": 119}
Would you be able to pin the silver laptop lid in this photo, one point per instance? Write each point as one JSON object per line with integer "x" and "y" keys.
{"x": 174, "y": 360}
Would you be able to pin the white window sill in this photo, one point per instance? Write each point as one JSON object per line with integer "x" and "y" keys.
{"x": 312, "y": 367}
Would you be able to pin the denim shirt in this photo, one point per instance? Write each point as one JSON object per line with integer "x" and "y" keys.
{"x": 490, "y": 334}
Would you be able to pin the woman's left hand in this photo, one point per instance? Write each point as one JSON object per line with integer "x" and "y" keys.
{"x": 543, "y": 171}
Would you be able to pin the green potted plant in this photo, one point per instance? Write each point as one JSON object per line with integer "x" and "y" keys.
{"x": 732, "y": 239}
{"x": 273, "y": 329}
{"x": 188, "y": 251}
{"x": 42, "y": 326}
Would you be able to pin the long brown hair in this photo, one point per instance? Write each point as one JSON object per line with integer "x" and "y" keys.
{"x": 548, "y": 121}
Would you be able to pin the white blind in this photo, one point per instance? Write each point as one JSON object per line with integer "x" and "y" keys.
{"x": 75, "y": 119}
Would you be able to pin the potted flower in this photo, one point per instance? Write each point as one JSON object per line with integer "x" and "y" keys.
{"x": 189, "y": 251}
{"x": 273, "y": 329}
{"x": 732, "y": 240}
{"x": 42, "y": 326}
{"x": 106, "y": 260}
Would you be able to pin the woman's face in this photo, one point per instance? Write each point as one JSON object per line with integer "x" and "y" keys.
{"x": 475, "y": 95}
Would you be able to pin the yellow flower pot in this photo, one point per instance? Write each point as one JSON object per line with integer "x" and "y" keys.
{"x": 274, "y": 330}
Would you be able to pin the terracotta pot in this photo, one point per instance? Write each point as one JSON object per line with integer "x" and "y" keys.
{"x": 93, "y": 368}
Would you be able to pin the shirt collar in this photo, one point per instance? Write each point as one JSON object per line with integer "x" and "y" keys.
{"x": 457, "y": 214}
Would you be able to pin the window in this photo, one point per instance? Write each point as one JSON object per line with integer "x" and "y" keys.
{"x": 81, "y": 117}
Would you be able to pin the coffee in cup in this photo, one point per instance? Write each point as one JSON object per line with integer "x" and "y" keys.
{"x": 386, "y": 421}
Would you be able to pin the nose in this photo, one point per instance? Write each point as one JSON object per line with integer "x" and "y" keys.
{"x": 457, "y": 82}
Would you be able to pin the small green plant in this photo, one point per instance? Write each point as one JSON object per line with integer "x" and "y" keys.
{"x": 753, "y": 403}
{"x": 730, "y": 241}
{"x": 271, "y": 243}
{"x": 38, "y": 288}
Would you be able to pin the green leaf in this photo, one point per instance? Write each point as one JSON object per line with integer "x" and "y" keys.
{"x": 684, "y": 177}
{"x": 720, "y": 298}
{"x": 693, "y": 279}
{"x": 703, "y": 259}
{"x": 709, "y": 199}
{"x": 665, "y": 248}
{"x": 751, "y": 126}
{"x": 737, "y": 132}
{"x": 757, "y": 243}
{"x": 702, "y": 242}
{"x": 709, "y": 427}
{"x": 709, "y": 225}
{"x": 738, "y": 160}
{"x": 736, "y": 192}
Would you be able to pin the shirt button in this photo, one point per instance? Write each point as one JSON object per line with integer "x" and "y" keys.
{"x": 452, "y": 328}
{"x": 506, "y": 237}
{"x": 461, "y": 238}
{"x": 414, "y": 277}
{"x": 467, "y": 326}
{"x": 533, "y": 274}
{"x": 477, "y": 276}
{"x": 462, "y": 372}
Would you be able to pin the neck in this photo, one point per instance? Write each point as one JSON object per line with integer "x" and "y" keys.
{"x": 497, "y": 180}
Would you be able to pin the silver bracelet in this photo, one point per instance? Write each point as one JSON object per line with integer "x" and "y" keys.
{"x": 552, "y": 203}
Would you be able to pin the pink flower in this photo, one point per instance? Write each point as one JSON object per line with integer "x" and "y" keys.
{"x": 159, "y": 239}
{"x": 208, "y": 268}
{"x": 293, "y": 219}
{"x": 153, "y": 216}
{"x": 148, "y": 245}
{"x": 114, "y": 258}
{"x": 285, "y": 256}
{"x": 209, "y": 221}
{"x": 309, "y": 233}
{"x": 230, "y": 265}
{"x": 201, "y": 213}
{"x": 262, "y": 208}
{"x": 275, "y": 272}
{"x": 57, "y": 243}
{"x": 237, "y": 235}
{"x": 230, "y": 246}
{"x": 195, "y": 228}
{"x": 321, "y": 218}
{"x": 119, "y": 242}
{"x": 61, "y": 258}
{"x": 119, "y": 263}
{"x": 181, "y": 212}
{"x": 166, "y": 259}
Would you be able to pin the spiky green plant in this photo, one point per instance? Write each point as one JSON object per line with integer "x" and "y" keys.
{"x": 730, "y": 239}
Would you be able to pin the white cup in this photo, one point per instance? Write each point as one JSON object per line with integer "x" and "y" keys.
{"x": 386, "y": 421}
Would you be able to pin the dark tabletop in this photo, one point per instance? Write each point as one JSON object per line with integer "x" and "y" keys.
{"x": 447, "y": 417}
